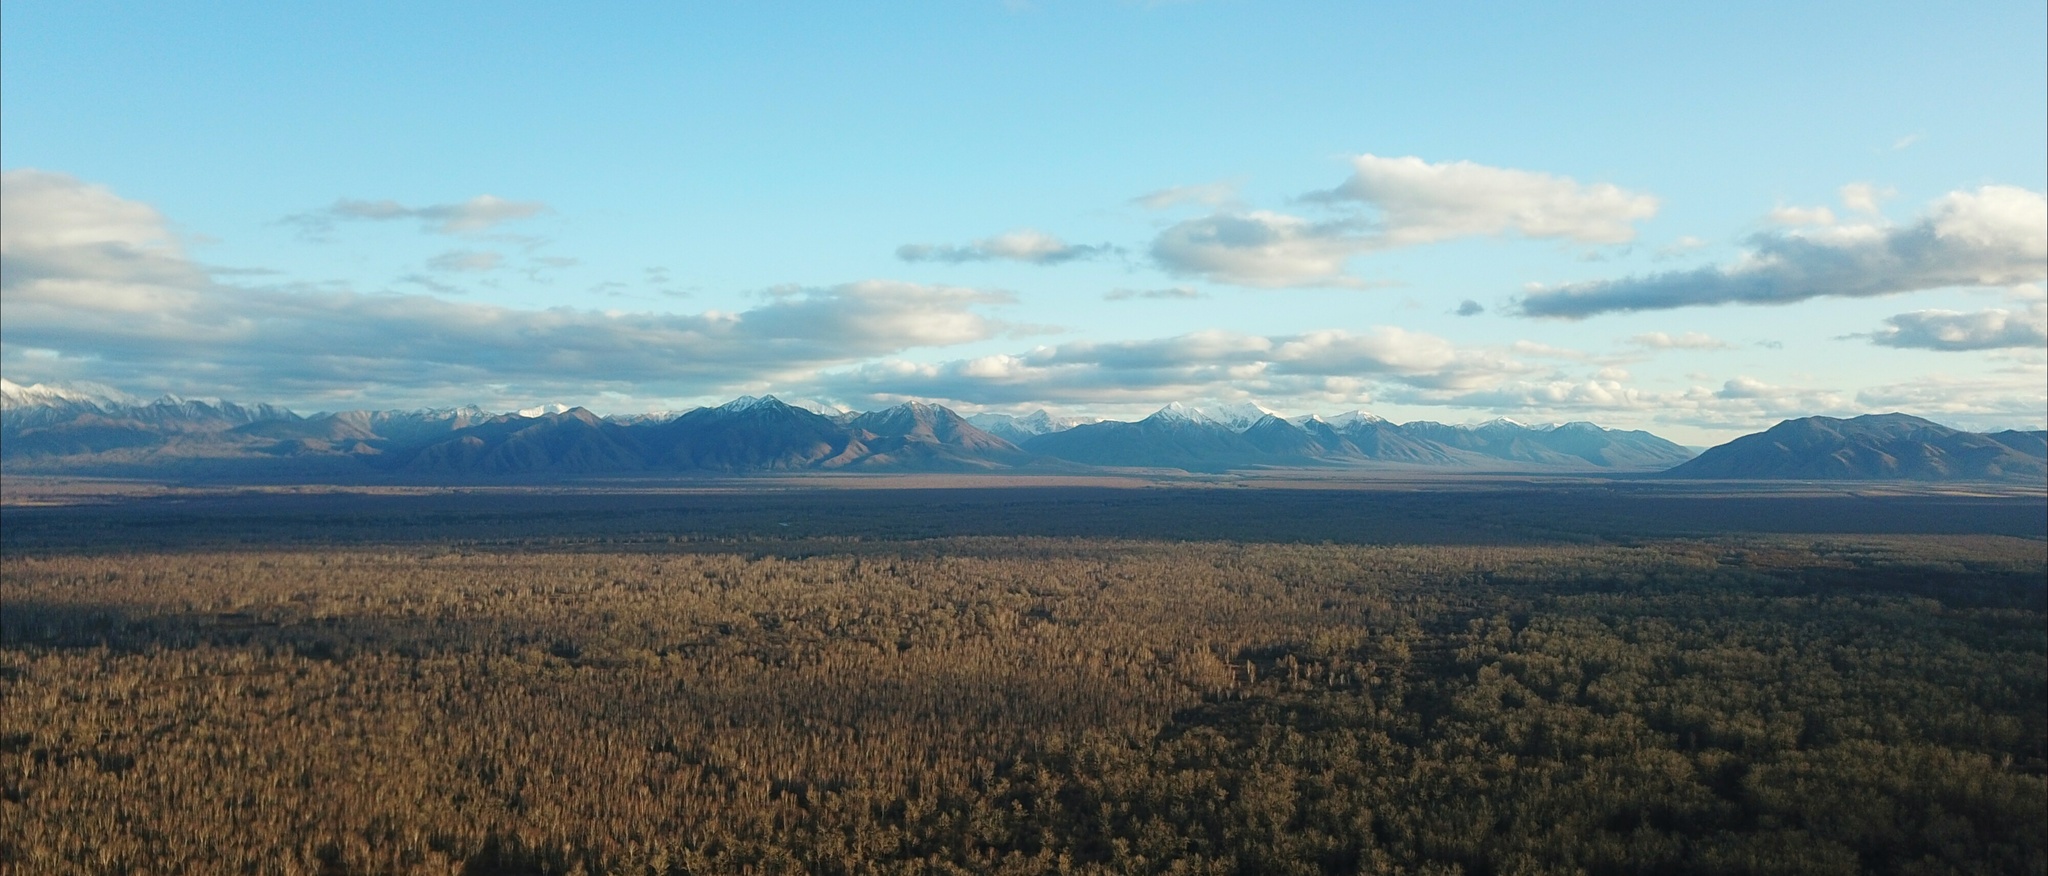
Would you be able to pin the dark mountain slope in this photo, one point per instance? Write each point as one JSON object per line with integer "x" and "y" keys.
{"x": 1870, "y": 447}
{"x": 752, "y": 434}
{"x": 573, "y": 442}
{"x": 929, "y": 437}
{"x": 1280, "y": 439}
{"x": 2034, "y": 444}
{"x": 1158, "y": 441}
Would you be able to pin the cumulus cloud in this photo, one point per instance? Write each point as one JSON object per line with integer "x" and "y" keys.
{"x": 1408, "y": 202}
{"x": 1742, "y": 404}
{"x": 70, "y": 240}
{"x": 99, "y": 280}
{"x": 1026, "y": 245}
{"x": 1992, "y": 329}
{"x": 1547, "y": 351}
{"x": 1979, "y": 404}
{"x": 1994, "y": 236}
{"x": 1803, "y": 216}
{"x": 1468, "y": 307}
{"x": 1176, "y": 293}
{"x": 1262, "y": 249}
{"x": 1864, "y": 197}
{"x": 480, "y": 213}
{"x": 1421, "y": 202}
{"x": 1681, "y": 341}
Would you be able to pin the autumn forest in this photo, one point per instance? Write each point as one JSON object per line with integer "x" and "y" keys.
{"x": 958, "y": 681}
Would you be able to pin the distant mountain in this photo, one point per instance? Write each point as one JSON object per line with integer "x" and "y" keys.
{"x": 1376, "y": 439}
{"x": 1174, "y": 437}
{"x": 1571, "y": 445}
{"x": 752, "y": 434}
{"x": 1873, "y": 447}
{"x": 100, "y": 431}
{"x": 48, "y": 422}
{"x": 2034, "y": 444}
{"x": 921, "y": 436}
{"x": 745, "y": 435}
{"x": 1018, "y": 430}
{"x": 1207, "y": 439}
{"x": 572, "y": 442}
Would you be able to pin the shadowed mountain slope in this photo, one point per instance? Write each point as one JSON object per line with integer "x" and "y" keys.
{"x": 1870, "y": 447}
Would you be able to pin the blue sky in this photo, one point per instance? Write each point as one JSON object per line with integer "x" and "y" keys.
{"x": 1693, "y": 220}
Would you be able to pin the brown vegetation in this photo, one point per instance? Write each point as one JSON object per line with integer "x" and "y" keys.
{"x": 1022, "y": 704}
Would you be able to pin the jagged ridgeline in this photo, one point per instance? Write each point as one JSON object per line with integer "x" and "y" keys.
{"x": 57, "y": 431}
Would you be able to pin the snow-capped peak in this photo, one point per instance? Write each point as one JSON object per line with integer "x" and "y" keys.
{"x": 1239, "y": 416}
{"x": 15, "y": 395}
{"x": 1495, "y": 423}
{"x": 543, "y": 410}
{"x": 749, "y": 402}
{"x": 1235, "y": 416}
{"x": 1354, "y": 418}
{"x": 1038, "y": 422}
{"x": 1175, "y": 412}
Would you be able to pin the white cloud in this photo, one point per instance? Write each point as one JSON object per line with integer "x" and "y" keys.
{"x": 1992, "y": 329}
{"x": 1979, "y": 404}
{"x": 1176, "y": 293}
{"x": 1532, "y": 348}
{"x": 1260, "y": 248}
{"x": 64, "y": 240}
{"x": 1681, "y": 341}
{"x": 1412, "y": 202}
{"x": 1864, "y": 197}
{"x": 1803, "y": 216}
{"x": 1340, "y": 366}
{"x": 1025, "y": 245}
{"x": 1994, "y": 236}
{"x": 480, "y": 213}
{"x": 1420, "y": 202}
{"x": 97, "y": 279}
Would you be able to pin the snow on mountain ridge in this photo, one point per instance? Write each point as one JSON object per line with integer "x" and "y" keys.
{"x": 1351, "y": 418}
{"x": 1235, "y": 416}
{"x": 42, "y": 394}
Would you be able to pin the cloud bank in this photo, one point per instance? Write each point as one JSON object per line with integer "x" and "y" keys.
{"x": 1994, "y": 236}
{"x": 97, "y": 281}
{"x": 1342, "y": 366}
{"x": 480, "y": 213}
{"x": 1391, "y": 203}
{"x": 1992, "y": 329}
{"x": 1026, "y": 245}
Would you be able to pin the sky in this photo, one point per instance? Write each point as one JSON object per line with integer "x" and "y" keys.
{"x": 1695, "y": 219}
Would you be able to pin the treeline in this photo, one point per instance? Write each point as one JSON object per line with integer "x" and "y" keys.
{"x": 1029, "y": 705}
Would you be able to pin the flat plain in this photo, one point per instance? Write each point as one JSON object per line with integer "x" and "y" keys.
{"x": 1272, "y": 674}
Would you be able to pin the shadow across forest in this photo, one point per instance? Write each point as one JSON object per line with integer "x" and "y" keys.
{"x": 781, "y": 520}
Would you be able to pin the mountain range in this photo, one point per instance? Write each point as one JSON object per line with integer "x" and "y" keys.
{"x": 1873, "y": 447}
{"x": 46, "y": 430}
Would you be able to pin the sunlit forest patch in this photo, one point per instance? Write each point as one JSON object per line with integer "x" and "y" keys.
{"x": 1027, "y": 704}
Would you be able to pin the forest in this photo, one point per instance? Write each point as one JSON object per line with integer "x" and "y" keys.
{"x": 1006, "y": 681}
